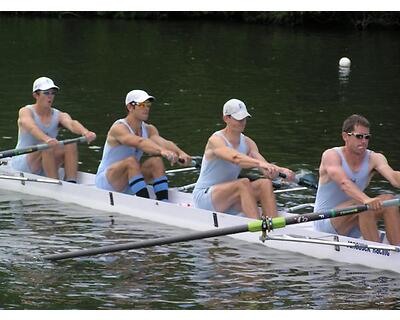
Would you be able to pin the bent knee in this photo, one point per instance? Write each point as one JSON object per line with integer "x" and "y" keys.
{"x": 70, "y": 147}
{"x": 155, "y": 162}
{"x": 131, "y": 163}
{"x": 384, "y": 197}
{"x": 243, "y": 183}
{"x": 264, "y": 183}
{"x": 47, "y": 152}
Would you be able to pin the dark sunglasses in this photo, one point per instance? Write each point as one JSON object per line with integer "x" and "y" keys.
{"x": 49, "y": 92}
{"x": 360, "y": 136}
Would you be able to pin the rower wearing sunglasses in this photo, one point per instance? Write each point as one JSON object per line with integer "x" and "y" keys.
{"x": 344, "y": 174}
{"x": 122, "y": 168}
{"x": 39, "y": 123}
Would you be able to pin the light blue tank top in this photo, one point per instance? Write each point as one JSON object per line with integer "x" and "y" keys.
{"x": 217, "y": 170}
{"x": 330, "y": 195}
{"x": 120, "y": 152}
{"x": 26, "y": 139}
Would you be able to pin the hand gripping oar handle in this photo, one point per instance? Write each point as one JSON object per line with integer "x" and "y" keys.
{"x": 254, "y": 226}
{"x": 38, "y": 147}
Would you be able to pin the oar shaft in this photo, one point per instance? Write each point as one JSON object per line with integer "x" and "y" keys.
{"x": 148, "y": 243}
{"x": 180, "y": 170}
{"x": 281, "y": 222}
{"x": 254, "y": 226}
{"x": 51, "y": 181}
{"x": 38, "y": 147}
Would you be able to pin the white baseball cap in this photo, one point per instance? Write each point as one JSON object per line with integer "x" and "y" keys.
{"x": 235, "y": 108}
{"x": 43, "y": 83}
{"x": 137, "y": 96}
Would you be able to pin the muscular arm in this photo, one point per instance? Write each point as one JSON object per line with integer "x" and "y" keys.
{"x": 27, "y": 123}
{"x": 381, "y": 165}
{"x": 75, "y": 126}
{"x": 331, "y": 170}
{"x": 72, "y": 125}
{"x": 119, "y": 134}
{"x": 216, "y": 148}
{"x": 168, "y": 145}
{"x": 254, "y": 153}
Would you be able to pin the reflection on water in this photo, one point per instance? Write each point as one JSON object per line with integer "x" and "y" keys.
{"x": 290, "y": 83}
{"x": 344, "y": 75}
{"x": 210, "y": 274}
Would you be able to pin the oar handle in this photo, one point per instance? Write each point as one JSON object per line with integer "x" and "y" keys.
{"x": 390, "y": 203}
{"x": 194, "y": 162}
{"x": 74, "y": 140}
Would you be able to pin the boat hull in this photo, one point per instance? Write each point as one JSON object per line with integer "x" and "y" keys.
{"x": 180, "y": 212}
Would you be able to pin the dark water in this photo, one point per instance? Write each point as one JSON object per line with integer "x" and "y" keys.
{"x": 290, "y": 81}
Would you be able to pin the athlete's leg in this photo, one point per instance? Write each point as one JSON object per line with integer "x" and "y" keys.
{"x": 127, "y": 173}
{"x": 264, "y": 193}
{"x": 154, "y": 171}
{"x": 237, "y": 193}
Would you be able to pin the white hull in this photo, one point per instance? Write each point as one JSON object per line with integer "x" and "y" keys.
{"x": 181, "y": 213}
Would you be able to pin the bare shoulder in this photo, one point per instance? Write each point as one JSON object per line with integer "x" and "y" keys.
{"x": 152, "y": 130}
{"x": 63, "y": 115}
{"x": 25, "y": 110}
{"x": 377, "y": 158}
{"x": 330, "y": 153}
{"x": 150, "y": 127}
{"x": 116, "y": 132}
{"x": 215, "y": 141}
{"x": 330, "y": 158}
{"x": 250, "y": 142}
{"x": 118, "y": 128}
{"x": 248, "y": 139}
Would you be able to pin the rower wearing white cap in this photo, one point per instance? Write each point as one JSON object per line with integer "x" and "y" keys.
{"x": 227, "y": 152}
{"x": 40, "y": 122}
{"x": 121, "y": 168}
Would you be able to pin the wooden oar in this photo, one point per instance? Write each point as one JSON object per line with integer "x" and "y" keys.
{"x": 38, "y": 147}
{"x": 254, "y": 226}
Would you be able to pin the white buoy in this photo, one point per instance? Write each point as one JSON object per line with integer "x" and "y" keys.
{"x": 344, "y": 62}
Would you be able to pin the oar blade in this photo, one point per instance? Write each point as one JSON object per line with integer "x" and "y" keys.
{"x": 308, "y": 180}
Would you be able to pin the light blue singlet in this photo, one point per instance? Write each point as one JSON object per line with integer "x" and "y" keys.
{"x": 25, "y": 139}
{"x": 329, "y": 195}
{"x": 115, "y": 154}
{"x": 214, "y": 172}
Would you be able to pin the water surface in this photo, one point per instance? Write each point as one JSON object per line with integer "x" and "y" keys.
{"x": 291, "y": 84}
